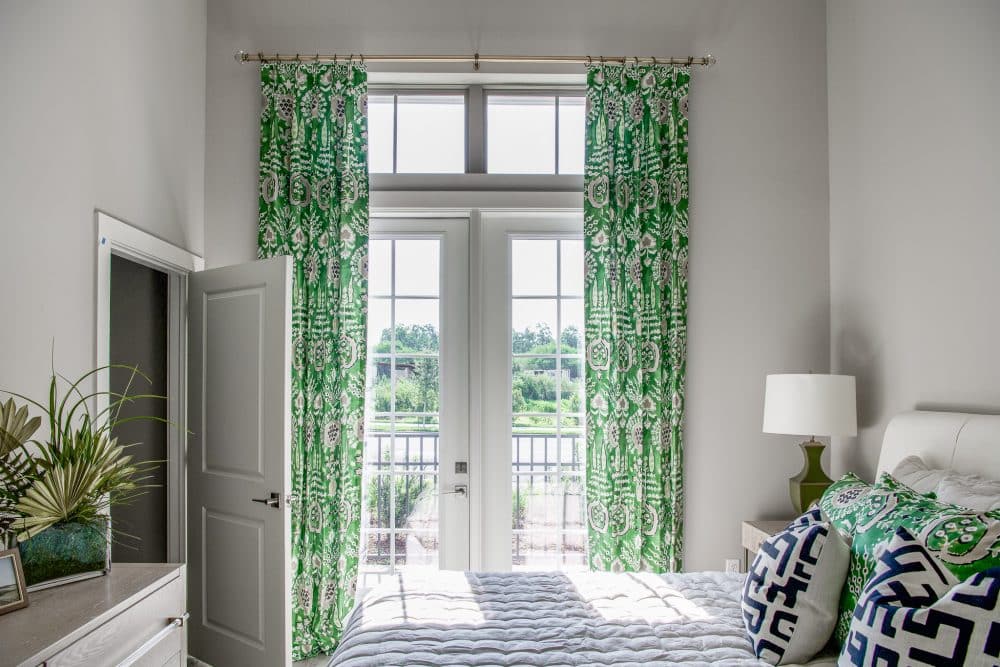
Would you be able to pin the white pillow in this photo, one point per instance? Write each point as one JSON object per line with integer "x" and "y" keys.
{"x": 792, "y": 591}
{"x": 972, "y": 491}
{"x": 914, "y": 473}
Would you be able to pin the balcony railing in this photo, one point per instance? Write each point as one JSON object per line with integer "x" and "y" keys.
{"x": 546, "y": 470}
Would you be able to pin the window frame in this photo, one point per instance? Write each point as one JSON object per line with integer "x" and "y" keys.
{"x": 476, "y": 176}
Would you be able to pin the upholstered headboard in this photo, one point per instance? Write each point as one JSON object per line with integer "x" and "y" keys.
{"x": 961, "y": 441}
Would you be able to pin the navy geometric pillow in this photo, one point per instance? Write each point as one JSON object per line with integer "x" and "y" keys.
{"x": 915, "y": 612}
{"x": 792, "y": 590}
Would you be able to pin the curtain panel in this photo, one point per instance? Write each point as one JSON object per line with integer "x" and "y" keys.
{"x": 314, "y": 207}
{"x": 635, "y": 301}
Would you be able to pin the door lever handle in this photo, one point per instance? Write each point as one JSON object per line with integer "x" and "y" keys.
{"x": 460, "y": 490}
{"x": 273, "y": 501}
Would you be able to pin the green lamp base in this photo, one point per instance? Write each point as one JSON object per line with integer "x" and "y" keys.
{"x": 809, "y": 484}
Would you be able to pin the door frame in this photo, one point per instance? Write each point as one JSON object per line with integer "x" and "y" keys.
{"x": 117, "y": 237}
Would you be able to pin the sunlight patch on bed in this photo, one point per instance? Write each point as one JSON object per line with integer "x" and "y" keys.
{"x": 638, "y": 596}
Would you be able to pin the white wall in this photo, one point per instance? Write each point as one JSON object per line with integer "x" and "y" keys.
{"x": 103, "y": 107}
{"x": 759, "y": 273}
{"x": 914, "y": 228}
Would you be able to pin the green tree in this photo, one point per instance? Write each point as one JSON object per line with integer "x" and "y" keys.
{"x": 524, "y": 342}
{"x": 570, "y": 337}
{"x": 411, "y": 338}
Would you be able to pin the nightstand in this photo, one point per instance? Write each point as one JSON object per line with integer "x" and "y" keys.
{"x": 754, "y": 534}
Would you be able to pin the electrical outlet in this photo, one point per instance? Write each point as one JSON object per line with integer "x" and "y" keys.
{"x": 733, "y": 565}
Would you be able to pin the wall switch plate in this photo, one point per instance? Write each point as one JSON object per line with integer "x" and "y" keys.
{"x": 733, "y": 565}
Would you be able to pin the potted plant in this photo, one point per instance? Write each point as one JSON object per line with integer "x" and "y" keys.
{"x": 56, "y": 491}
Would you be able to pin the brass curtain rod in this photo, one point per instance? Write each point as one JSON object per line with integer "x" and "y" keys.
{"x": 475, "y": 59}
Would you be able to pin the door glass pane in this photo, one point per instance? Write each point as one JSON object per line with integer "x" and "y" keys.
{"x": 547, "y": 453}
{"x": 571, "y": 134}
{"x": 571, "y": 265}
{"x": 520, "y": 134}
{"x": 416, "y": 323}
{"x": 534, "y": 387}
{"x": 571, "y": 325}
{"x": 380, "y": 134}
{"x": 417, "y": 385}
{"x": 418, "y": 267}
{"x": 379, "y": 324}
{"x": 533, "y": 326}
{"x": 401, "y": 460}
{"x": 533, "y": 267}
{"x": 430, "y": 134}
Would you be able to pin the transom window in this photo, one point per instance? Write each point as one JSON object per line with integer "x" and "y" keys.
{"x": 534, "y": 134}
{"x": 416, "y": 133}
{"x": 476, "y": 131}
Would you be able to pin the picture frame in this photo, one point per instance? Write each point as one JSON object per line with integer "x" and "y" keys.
{"x": 13, "y": 592}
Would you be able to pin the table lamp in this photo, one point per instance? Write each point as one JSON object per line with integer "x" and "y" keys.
{"x": 810, "y": 404}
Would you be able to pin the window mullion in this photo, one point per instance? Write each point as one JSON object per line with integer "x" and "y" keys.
{"x": 475, "y": 124}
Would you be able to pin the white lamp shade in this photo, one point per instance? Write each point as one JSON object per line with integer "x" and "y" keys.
{"x": 810, "y": 404}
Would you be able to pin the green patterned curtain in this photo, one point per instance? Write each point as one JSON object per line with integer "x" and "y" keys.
{"x": 314, "y": 207}
{"x": 635, "y": 298}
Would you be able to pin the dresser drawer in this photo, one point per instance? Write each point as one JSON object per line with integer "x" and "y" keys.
{"x": 121, "y": 636}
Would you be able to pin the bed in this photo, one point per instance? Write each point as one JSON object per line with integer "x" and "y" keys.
{"x": 551, "y": 618}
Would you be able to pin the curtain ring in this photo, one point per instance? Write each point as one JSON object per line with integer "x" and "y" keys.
{"x": 297, "y": 58}
{"x": 654, "y": 60}
{"x": 260, "y": 56}
{"x": 690, "y": 60}
{"x": 317, "y": 57}
{"x": 362, "y": 56}
{"x": 636, "y": 60}
{"x": 334, "y": 58}
{"x": 590, "y": 61}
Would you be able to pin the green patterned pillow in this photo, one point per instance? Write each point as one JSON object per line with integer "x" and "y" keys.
{"x": 966, "y": 541}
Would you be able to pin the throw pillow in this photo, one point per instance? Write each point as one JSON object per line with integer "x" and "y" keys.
{"x": 792, "y": 589}
{"x": 966, "y": 541}
{"x": 915, "y": 611}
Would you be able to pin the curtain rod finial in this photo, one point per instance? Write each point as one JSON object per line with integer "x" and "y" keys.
{"x": 710, "y": 60}
{"x": 240, "y": 56}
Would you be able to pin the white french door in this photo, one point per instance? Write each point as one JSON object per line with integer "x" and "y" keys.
{"x": 533, "y": 434}
{"x": 510, "y": 435}
{"x": 415, "y": 514}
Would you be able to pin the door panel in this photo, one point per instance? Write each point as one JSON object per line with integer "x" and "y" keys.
{"x": 533, "y": 513}
{"x": 417, "y": 404}
{"x": 238, "y": 451}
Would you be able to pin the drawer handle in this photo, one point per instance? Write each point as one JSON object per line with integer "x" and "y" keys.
{"x": 175, "y": 622}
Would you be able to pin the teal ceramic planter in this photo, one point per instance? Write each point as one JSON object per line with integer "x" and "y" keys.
{"x": 65, "y": 552}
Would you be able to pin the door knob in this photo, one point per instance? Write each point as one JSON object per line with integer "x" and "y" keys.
{"x": 274, "y": 500}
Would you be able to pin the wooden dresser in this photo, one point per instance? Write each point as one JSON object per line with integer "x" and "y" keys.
{"x": 136, "y": 615}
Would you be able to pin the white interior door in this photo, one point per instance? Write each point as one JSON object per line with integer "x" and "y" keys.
{"x": 417, "y": 423}
{"x": 239, "y": 468}
{"x": 533, "y": 432}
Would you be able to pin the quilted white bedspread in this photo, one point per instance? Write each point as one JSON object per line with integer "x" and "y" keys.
{"x": 550, "y": 618}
